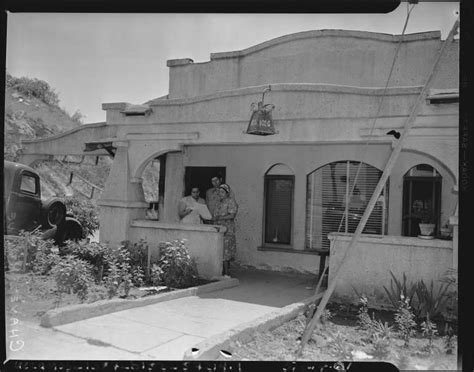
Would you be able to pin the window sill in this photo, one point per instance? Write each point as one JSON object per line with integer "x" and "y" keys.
{"x": 288, "y": 249}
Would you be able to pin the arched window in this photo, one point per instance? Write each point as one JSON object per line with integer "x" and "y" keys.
{"x": 421, "y": 199}
{"x": 279, "y": 190}
{"x": 331, "y": 207}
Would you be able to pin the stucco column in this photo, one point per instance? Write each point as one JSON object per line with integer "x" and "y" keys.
{"x": 122, "y": 200}
{"x": 174, "y": 186}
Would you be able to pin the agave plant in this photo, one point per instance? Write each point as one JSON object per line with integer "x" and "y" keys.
{"x": 400, "y": 288}
{"x": 430, "y": 303}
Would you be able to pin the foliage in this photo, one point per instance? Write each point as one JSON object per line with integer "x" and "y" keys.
{"x": 363, "y": 317}
{"x": 156, "y": 275}
{"x": 401, "y": 288}
{"x": 46, "y": 257}
{"x": 430, "y": 303}
{"x": 138, "y": 258}
{"x": 429, "y": 330}
{"x": 120, "y": 276}
{"x": 179, "y": 269}
{"x": 405, "y": 319}
{"x": 22, "y": 249}
{"x": 96, "y": 254}
{"x": 85, "y": 212}
{"x": 326, "y": 316}
{"x": 340, "y": 347}
{"x": 449, "y": 340}
{"x": 73, "y": 275}
{"x": 33, "y": 88}
{"x": 451, "y": 279}
{"x": 381, "y": 338}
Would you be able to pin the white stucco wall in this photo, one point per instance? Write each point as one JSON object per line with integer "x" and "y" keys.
{"x": 368, "y": 267}
{"x": 246, "y": 166}
{"x": 318, "y": 57}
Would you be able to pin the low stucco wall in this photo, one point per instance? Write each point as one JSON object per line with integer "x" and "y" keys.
{"x": 368, "y": 268}
{"x": 204, "y": 242}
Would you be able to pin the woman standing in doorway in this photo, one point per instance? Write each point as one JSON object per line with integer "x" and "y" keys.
{"x": 224, "y": 215}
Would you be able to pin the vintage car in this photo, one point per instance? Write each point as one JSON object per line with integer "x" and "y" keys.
{"x": 25, "y": 209}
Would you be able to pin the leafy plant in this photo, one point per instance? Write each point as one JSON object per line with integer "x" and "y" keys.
{"x": 430, "y": 303}
{"x": 326, "y": 316}
{"x": 179, "y": 269}
{"x": 85, "y": 212}
{"x": 405, "y": 319}
{"x": 363, "y": 317}
{"x": 429, "y": 330}
{"x": 138, "y": 257}
{"x": 399, "y": 288}
{"x": 339, "y": 347}
{"x": 120, "y": 275}
{"x": 451, "y": 278}
{"x": 97, "y": 254}
{"x": 73, "y": 275}
{"x": 21, "y": 250}
{"x": 381, "y": 338}
{"x": 46, "y": 257}
{"x": 156, "y": 275}
{"x": 449, "y": 340}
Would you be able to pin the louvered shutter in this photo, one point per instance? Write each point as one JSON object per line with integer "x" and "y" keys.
{"x": 330, "y": 208}
{"x": 278, "y": 209}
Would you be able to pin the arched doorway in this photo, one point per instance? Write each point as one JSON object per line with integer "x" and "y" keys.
{"x": 335, "y": 204}
{"x": 421, "y": 199}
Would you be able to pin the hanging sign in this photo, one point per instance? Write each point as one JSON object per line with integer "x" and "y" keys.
{"x": 261, "y": 122}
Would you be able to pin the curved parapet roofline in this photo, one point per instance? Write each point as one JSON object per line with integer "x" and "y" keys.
{"x": 286, "y": 87}
{"x": 430, "y": 35}
{"x": 67, "y": 133}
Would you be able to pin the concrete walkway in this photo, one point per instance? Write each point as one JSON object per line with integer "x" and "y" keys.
{"x": 164, "y": 331}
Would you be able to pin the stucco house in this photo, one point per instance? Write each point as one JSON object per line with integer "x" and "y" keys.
{"x": 295, "y": 188}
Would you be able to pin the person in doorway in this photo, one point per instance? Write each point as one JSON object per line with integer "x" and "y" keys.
{"x": 224, "y": 215}
{"x": 192, "y": 209}
{"x": 212, "y": 195}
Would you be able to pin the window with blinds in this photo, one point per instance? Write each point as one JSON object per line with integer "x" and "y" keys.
{"x": 278, "y": 208}
{"x": 330, "y": 206}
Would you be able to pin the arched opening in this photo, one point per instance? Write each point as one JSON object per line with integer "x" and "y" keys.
{"x": 278, "y": 214}
{"x": 335, "y": 204}
{"x": 421, "y": 199}
{"x": 153, "y": 184}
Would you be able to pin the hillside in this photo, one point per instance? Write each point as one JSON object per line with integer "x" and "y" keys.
{"x": 32, "y": 111}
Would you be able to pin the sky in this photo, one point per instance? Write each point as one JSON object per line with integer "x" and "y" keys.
{"x": 90, "y": 59}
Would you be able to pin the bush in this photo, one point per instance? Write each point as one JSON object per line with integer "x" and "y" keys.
{"x": 46, "y": 257}
{"x": 405, "y": 319}
{"x": 21, "y": 251}
{"x": 138, "y": 253}
{"x": 73, "y": 275}
{"x": 96, "y": 254}
{"x": 85, "y": 212}
{"x": 179, "y": 269}
{"x": 33, "y": 88}
{"x": 121, "y": 276}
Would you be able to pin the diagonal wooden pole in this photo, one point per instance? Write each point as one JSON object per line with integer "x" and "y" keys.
{"x": 386, "y": 173}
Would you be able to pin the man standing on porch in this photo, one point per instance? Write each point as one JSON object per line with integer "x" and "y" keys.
{"x": 212, "y": 195}
{"x": 192, "y": 209}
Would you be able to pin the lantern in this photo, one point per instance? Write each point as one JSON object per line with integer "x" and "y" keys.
{"x": 261, "y": 122}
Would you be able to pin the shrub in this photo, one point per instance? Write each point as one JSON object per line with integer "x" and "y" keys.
{"x": 404, "y": 318}
{"x": 85, "y": 212}
{"x": 156, "y": 275}
{"x": 46, "y": 257}
{"x": 21, "y": 251}
{"x": 33, "y": 88}
{"x": 179, "y": 269}
{"x": 429, "y": 330}
{"x": 73, "y": 275}
{"x": 121, "y": 276}
{"x": 96, "y": 254}
{"x": 138, "y": 258}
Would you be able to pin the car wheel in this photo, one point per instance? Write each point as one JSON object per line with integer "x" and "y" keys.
{"x": 56, "y": 214}
{"x": 69, "y": 230}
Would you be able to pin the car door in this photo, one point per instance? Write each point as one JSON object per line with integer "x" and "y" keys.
{"x": 25, "y": 203}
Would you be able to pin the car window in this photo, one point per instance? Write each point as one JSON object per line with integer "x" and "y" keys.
{"x": 28, "y": 184}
